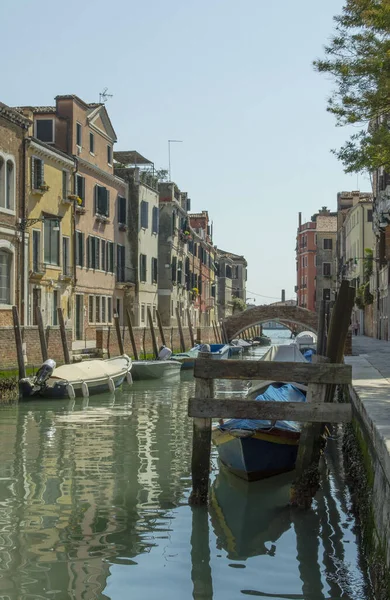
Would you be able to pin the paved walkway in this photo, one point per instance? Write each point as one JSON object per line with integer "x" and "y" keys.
{"x": 81, "y": 344}
{"x": 376, "y": 352}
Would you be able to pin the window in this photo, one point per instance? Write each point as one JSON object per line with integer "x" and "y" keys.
{"x": 154, "y": 270}
{"x": 91, "y": 143}
{"x": 9, "y": 186}
{"x": 66, "y": 256}
{"x": 110, "y": 257}
{"x": 235, "y": 272}
{"x": 51, "y": 241}
{"x": 64, "y": 184}
{"x": 5, "y": 276}
{"x": 102, "y": 201}
{"x": 179, "y": 272}
{"x": 80, "y": 187}
{"x": 109, "y": 309}
{"x": 78, "y": 134}
{"x": 97, "y": 309}
{"x": 36, "y": 251}
{"x": 213, "y": 289}
{"x": 174, "y": 269}
{"x": 326, "y": 269}
{"x": 122, "y": 210}
{"x": 155, "y": 219}
{"x": 55, "y": 306}
{"x": 228, "y": 271}
{"x": 37, "y": 173}
{"x": 103, "y": 302}
{"x": 142, "y": 313}
{"x": 144, "y": 214}
{"x": 328, "y": 244}
{"x": 44, "y": 130}
{"x": 326, "y": 294}
{"x": 103, "y": 253}
{"x": 109, "y": 155}
{"x": 120, "y": 262}
{"x": 142, "y": 267}
{"x": 91, "y": 258}
{"x": 91, "y": 311}
{"x": 80, "y": 249}
{"x": 369, "y": 216}
{"x": 97, "y": 253}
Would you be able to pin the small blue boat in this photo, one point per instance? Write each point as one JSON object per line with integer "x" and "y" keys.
{"x": 187, "y": 359}
{"x": 256, "y": 449}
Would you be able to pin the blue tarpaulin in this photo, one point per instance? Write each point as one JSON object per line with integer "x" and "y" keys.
{"x": 274, "y": 393}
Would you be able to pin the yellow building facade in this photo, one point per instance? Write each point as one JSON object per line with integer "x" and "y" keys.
{"x": 49, "y": 226}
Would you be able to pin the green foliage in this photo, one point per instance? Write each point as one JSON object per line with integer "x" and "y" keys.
{"x": 363, "y": 296}
{"x": 367, "y": 264}
{"x": 358, "y": 58}
{"x": 238, "y": 305}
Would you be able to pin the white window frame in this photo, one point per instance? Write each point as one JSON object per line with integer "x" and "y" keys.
{"x": 9, "y": 247}
{"x": 142, "y": 313}
{"x": 93, "y": 308}
{"x": 3, "y": 183}
{"x": 54, "y": 129}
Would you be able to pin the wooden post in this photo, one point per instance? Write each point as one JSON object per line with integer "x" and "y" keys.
{"x": 152, "y": 333}
{"x": 160, "y": 328}
{"x": 219, "y": 338}
{"x": 321, "y": 334}
{"x": 18, "y": 342}
{"x": 41, "y": 330}
{"x": 201, "y": 442}
{"x": 118, "y": 334}
{"x": 143, "y": 342}
{"x": 131, "y": 333}
{"x": 201, "y": 575}
{"x": 215, "y": 333}
{"x": 108, "y": 341}
{"x": 190, "y": 328}
{"x": 64, "y": 341}
{"x": 199, "y": 335}
{"x": 181, "y": 336}
{"x": 171, "y": 338}
{"x": 225, "y": 339}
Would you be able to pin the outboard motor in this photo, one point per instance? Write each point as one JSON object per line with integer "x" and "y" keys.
{"x": 165, "y": 353}
{"x": 45, "y": 372}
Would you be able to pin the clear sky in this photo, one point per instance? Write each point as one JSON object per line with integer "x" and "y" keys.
{"x": 233, "y": 80}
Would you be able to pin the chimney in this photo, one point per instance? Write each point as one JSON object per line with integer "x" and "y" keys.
{"x": 299, "y": 219}
{"x": 284, "y": 292}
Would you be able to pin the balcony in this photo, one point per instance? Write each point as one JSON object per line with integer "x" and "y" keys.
{"x": 38, "y": 270}
{"x": 210, "y": 303}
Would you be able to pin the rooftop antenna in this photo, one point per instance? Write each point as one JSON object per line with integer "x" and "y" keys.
{"x": 104, "y": 96}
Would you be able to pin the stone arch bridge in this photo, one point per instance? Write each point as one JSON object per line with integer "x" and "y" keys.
{"x": 286, "y": 315}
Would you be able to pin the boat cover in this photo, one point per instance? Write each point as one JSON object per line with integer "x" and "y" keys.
{"x": 90, "y": 369}
{"x": 283, "y": 393}
{"x": 284, "y": 353}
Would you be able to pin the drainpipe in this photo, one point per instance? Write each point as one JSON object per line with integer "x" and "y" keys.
{"x": 23, "y": 242}
{"x": 76, "y": 163}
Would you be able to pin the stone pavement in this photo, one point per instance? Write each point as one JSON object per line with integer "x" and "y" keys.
{"x": 376, "y": 352}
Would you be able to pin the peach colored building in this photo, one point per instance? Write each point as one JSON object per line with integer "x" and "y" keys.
{"x": 84, "y": 131}
{"x": 306, "y": 264}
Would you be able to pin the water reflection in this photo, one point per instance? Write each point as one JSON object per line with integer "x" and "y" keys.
{"x": 93, "y": 504}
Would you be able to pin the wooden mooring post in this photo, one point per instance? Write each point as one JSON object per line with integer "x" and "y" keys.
{"x": 118, "y": 334}
{"x": 160, "y": 328}
{"x": 203, "y": 407}
{"x": 181, "y": 335}
{"x": 41, "y": 331}
{"x": 153, "y": 334}
{"x": 19, "y": 343}
{"x": 190, "y": 329}
{"x": 64, "y": 341}
{"x": 201, "y": 441}
{"x": 131, "y": 334}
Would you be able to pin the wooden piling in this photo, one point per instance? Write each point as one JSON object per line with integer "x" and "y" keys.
{"x": 108, "y": 341}
{"x": 321, "y": 332}
{"x": 160, "y": 328}
{"x": 218, "y": 330}
{"x": 152, "y": 333}
{"x": 64, "y": 341}
{"x": 131, "y": 333}
{"x": 191, "y": 331}
{"x": 171, "y": 339}
{"x": 143, "y": 342}
{"x": 181, "y": 336}
{"x": 201, "y": 442}
{"x": 18, "y": 342}
{"x": 41, "y": 331}
{"x": 118, "y": 334}
{"x": 215, "y": 333}
{"x": 198, "y": 335}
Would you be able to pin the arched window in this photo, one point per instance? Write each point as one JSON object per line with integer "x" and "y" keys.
{"x": 5, "y": 276}
{"x": 9, "y": 187}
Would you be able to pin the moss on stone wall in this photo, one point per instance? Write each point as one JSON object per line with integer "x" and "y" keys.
{"x": 360, "y": 478}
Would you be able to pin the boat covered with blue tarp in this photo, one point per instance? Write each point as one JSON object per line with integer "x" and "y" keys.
{"x": 255, "y": 449}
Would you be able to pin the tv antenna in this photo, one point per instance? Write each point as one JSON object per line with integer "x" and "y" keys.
{"x": 104, "y": 96}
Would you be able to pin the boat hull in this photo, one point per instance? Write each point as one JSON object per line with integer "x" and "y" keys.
{"x": 154, "y": 369}
{"x": 257, "y": 457}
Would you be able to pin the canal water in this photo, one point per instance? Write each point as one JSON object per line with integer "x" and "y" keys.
{"x": 94, "y": 505}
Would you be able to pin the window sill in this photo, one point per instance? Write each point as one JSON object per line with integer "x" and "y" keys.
{"x": 7, "y": 211}
{"x": 38, "y": 192}
{"x": 81, "y": 210}
{"x": 92, "y": 153}
{"x": 53, "y": 267}
{"x": 6, "y": 306}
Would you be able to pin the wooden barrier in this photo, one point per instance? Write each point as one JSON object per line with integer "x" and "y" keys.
{"x": 160, "y": 328}
{"x": 131, "y": 334}
{"x": 64, "y": 342}
{"x": 41, "y": 331}
{"x": 191, "y": 331}
{"x": 118, "y": 335}
{"x": 182, "y": 342}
